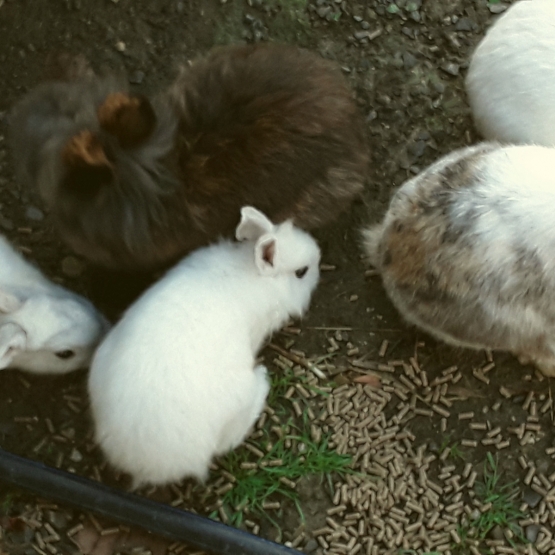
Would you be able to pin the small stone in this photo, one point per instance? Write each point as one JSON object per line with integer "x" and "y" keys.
{"x": 311, "y": 546}
{"x": 451, "y": 68}
{"x": 323, "y": 11}
{"x": 22, "y": 536}
{"x": 58, "y": 519}
{"x": 120, "y": 46}
{"x": 365, "y": 25}
{"x": 137, "y": 77}
{"x": 357, "y": 18}
{"x": 33, "y": 213}
{"x": 6, "y": 224}
{"x": 372, "y": 115}
{"x": 532, "y": 532}
{"x": 404, "y": 160}
{"x": 409, "y": 61}
{"x": 360, "y": 35}
{"x": 72, "y": 267}
{"x": 413, "y": 5}
{"x": 69, "y": 433}
{"x": 465, "y": 24}
{"x": 438, "y": 86}
{"x": 76, "y": 456}
{"x": 531, "y": 498}
{"x": 497, "y": 8}
{"x": 417, "y": 148}
{"x": 497, "y": 533}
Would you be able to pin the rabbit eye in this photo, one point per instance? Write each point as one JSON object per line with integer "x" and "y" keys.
{"x": 65, "y": 354}
{"x": 300, "y": 273}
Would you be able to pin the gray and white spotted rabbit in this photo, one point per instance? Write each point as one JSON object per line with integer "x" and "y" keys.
{"x": 466, "y": 250}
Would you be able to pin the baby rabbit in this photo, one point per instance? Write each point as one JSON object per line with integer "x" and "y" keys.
{"x": 175, "y": 383}
{"x": 134, "y": 184}
{"x": 44, "y": 328}
{"x": 467, "y": 250}
{"x": 511, "y": 79}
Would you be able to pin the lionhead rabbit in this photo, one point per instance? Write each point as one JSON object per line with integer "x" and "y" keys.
{"x": 135, "y": 184}
{"x": 44, "y": 328}
{"x": 175, "y": 382}
{"x": 511, "y": 79}
{"x": 467, "y": 250}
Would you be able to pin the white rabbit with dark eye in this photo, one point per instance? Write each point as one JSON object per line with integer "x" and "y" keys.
{"x": 467, "y": 250}
{"x": 511, "y": 78}
{"x": 175, "y": 382}
{"x": 44, "y": 328}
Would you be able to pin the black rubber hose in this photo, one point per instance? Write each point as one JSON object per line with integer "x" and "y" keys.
{"x": 164, "y": 520}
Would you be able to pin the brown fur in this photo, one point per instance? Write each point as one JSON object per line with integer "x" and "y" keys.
{"x": 267, "y": 125}
{"x": 84, "y": 149}
{"x": 129, "y": 118}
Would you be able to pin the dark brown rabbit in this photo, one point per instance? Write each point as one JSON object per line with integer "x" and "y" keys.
{"x": 135, "y": 184}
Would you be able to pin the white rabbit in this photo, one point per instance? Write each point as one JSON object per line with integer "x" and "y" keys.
{"x": 511, "y": 79}
{"x": 467, "y": 250}
{"x": 44, "y": 328}
{"x": 175, "y": 383}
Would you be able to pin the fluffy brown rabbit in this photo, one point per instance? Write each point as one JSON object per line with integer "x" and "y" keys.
{"x": 134, "y": 184}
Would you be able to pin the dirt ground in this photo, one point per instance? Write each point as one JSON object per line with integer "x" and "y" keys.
{"x": 446, "y": 409}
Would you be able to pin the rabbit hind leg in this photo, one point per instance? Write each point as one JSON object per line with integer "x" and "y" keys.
{"x": 544, "y": 360}
{"x": 239, "y": 427}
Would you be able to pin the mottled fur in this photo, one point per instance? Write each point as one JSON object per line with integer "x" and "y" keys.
{"x": 467, "y": 250}
{"x": 269, "y": 125}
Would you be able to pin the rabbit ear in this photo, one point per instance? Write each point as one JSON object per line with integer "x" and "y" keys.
{"x": 87, "y": 166}
{"x": 129, "y": 118}
{"x": 8, "y": 302}
{"x": 13, "y": 339}
{"x": 265, "y": 255}
{"x": 253, "y": 224}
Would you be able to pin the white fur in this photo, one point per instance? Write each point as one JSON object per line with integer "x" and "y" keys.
{"x": 511, "y": 79}
{"x": 39, "y": 319}
{"x": 175, "y": 383}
